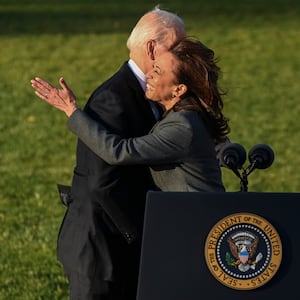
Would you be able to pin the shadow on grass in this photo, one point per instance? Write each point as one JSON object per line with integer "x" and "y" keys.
{"x": 63, "y": 22}
{"x": 74, "y": 16}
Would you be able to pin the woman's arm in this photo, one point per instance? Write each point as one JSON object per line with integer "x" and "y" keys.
{"x": 169, "y": 141}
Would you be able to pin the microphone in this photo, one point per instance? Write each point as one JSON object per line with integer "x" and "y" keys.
{"x": 233, "y": 156}
{"x": 261, "y": 156}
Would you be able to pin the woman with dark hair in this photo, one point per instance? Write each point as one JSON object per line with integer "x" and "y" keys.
{"x": 197, "y": 69}
{"x": 180, "y": 148}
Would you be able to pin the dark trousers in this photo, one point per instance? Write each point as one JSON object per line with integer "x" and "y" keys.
{"x": 85, "y": 288}
{"x": 124, "y": 287}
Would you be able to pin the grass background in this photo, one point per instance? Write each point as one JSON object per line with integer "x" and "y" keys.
{"x": 257, "y": 42}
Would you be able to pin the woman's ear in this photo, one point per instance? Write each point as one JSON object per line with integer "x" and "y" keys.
{"x": 181, "y": 89}
{"x": 151, "y": 49}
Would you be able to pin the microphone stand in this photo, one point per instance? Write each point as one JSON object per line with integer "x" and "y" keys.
{"x": 244, "y": 176}
{"x": 244, "y": 182}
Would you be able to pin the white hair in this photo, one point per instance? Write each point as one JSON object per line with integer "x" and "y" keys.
{"x": 162, "y": 25}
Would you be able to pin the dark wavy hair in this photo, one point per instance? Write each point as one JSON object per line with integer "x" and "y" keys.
{"x": 197, "y": 68}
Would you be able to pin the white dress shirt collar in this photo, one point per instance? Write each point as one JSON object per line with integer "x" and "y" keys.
{"x": 141, "y": 77}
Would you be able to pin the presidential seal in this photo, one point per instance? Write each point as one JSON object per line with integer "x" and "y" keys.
{"x": 243, "y": 251}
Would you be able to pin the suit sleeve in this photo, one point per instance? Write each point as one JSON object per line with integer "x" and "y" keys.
{"x": 169, "y": 142}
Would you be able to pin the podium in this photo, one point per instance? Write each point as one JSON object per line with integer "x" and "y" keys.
{"x": 220, "y": 246}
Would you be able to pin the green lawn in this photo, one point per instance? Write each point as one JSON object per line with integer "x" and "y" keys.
{"x": 257, "y": 42}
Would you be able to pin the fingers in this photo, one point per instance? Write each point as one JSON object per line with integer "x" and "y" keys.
{"x": 40, "y": 95}
{"x": 41, "y": 86}
{"x": 43, "y": 83}
{"x": 53, "y": 99}
{"x": 64, "y": 85}
{"x": 62, "y": 82}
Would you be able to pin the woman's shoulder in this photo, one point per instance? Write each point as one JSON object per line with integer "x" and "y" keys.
{"x": 186, "y": 116}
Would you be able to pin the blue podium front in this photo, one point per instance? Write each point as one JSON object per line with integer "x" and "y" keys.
{"x": 220, "y": 246}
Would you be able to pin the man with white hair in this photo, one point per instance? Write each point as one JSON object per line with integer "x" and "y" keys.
{"x": 100, "y": 238}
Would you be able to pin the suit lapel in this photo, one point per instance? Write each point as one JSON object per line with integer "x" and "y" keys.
{"x": 140, "y": 99}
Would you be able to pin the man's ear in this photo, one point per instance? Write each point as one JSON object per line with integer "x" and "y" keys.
{"x": 151, "y": 49}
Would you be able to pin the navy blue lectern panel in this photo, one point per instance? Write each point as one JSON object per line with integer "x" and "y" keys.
{"x": 173, "y": 265}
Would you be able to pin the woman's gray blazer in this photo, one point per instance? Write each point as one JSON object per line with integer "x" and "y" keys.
{"x": 179, "y": 150}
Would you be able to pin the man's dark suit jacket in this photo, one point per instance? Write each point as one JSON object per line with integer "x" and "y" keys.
{"x": 87, "y": 236}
